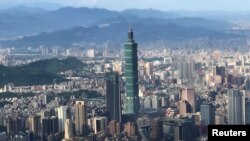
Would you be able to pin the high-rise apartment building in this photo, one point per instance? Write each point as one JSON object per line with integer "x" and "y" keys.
{"x": 80, "y": 118}
{"x": 35, "y": 124}
{"x": 69, "y": 130}
{"x": 62, "y": 116}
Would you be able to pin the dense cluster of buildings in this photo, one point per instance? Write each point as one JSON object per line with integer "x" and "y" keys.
{"x": 170, "y": 96}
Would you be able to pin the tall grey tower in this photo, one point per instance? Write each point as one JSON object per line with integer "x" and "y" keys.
{"x": 132, "y": 105}
{"x": 113, "y": 97}
{"x": 235, "y": 107}
{"x": 207, "y": 114}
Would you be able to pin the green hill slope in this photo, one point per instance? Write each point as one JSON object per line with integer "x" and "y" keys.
{"x": 37, "y": 73}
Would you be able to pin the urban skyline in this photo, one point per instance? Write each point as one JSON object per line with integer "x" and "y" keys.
{"x": 80, "y": 74}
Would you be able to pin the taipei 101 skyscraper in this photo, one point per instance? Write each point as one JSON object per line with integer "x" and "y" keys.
{"x": 132, "y": 105}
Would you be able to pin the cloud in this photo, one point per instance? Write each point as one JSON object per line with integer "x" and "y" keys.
{"x": 93, "y": 1}
{"x": 165, "y": 5}
{"x": 79, "y": 2}
{"x": 61, "y": 2}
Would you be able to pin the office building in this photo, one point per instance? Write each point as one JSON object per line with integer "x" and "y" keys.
{"x": 207, "y": 114}
{"x": 132, "y": 105}
{"x": 51, "y": 137}
{"x": 143, "y": 121}
{"x": 184, "y": 107}
{"x": 180, "y": 129}
{"x": 235, "y": 107}
{"x": 91, "y": 53}
{"x": 30, "y": 136}
{"x": 185, "y": 71}
{"x": 188, "y": 94}
{"x": 46, "y": 125}
{"x": 13, "y": 125}
{"x": 114, "y": 127}
{"x": 155, "y": 101}
{"x": 113, "y": 97}
{"x": 247, "y": 111}
{"x": 99, "y": 124}
{"x": 156, "y": 130}
{"x": 148, "y": 68}
{"x": 54, "y": 124}
{"x": 130, "y": 129}
{"x": 247, "y": 83}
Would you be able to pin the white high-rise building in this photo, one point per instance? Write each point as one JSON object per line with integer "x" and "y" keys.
{"x": 155, "y": 102}
{"x": 62, "y": 115}
{"x": 91, "y": 53}
{"x": 69, "y": 134}
{"x": 45, "y": 99}
{"x": 68, "y": 52}
{"x": 148, "y": 68}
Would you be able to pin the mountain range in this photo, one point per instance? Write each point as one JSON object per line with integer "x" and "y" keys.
{"x": 117, "y": 32}
{"x": 27, "y": 21}
{"x": 22, "y": 26}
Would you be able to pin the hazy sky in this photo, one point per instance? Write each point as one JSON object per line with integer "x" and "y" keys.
{"x": 166, "y": 5}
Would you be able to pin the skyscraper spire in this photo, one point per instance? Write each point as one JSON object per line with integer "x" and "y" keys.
{"x": 130, "y": 27}
{"x": 130, "y": 34}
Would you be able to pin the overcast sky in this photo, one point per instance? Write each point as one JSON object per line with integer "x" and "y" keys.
{"x": 166, "y": 5}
